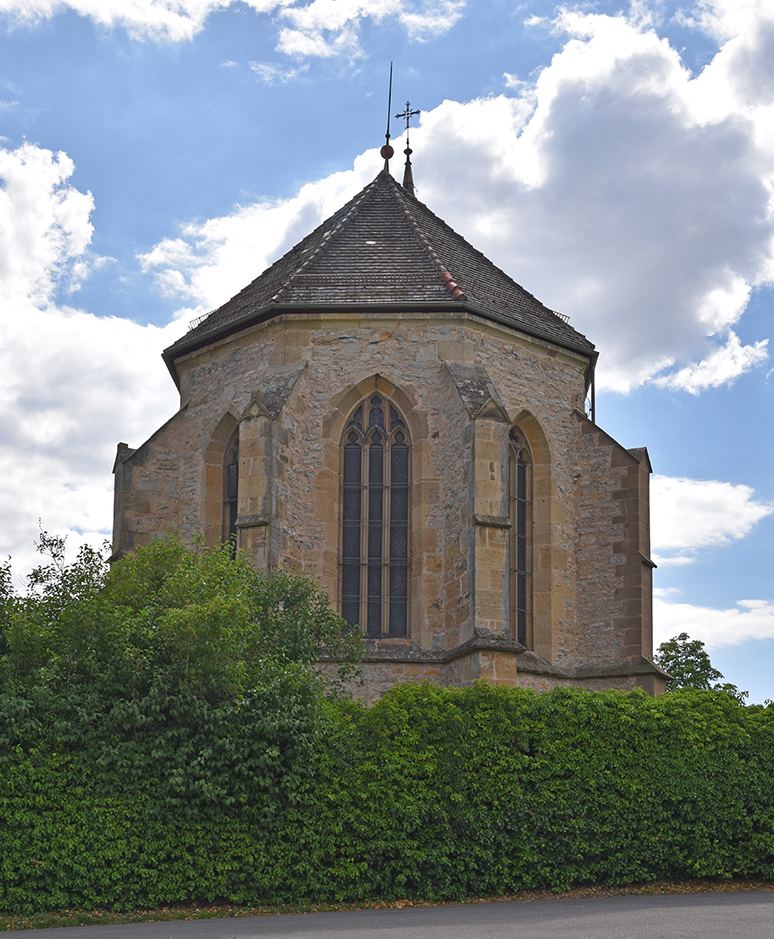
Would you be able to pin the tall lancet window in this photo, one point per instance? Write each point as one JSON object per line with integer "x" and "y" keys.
{"x": 520, "y": 498}
{"x": 230, "y": 488}
{"x": 375, "y": 479}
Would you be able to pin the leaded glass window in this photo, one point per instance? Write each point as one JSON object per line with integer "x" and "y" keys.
{"x": 230, "y": 489}
{"x": 375, "y": 481}
{"x": 520, "y": 499}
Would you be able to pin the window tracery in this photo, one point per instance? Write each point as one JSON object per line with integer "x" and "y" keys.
{"x": 375, "y": 482}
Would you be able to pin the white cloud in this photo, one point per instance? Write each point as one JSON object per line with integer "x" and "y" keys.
{"x": 750, "y": 619}
{"x": 276, "y": 74}
{"x": 512, "y": 81}
{"x": 721, "y": 367}
{"x": 688, "y": 515}
{"x": 612, "y": 202}
{"x": 434, "y": 20}
{"x": 209, "y": 262}
{"x": 71, "y": 384}
{"x": 602, "y": 186}
{"x": 44, "y": 224}
{"x": 325, "y": 28}
{"x": 726, "y": 19}
{"x": 171, "y": 20}
{"x": 319, "y": 28}
{"x": 691, "y": 514}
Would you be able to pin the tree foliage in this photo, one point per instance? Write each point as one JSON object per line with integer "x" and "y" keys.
{"x": 179, "y": 668}
{"x": 209, "y": 622}
{"x": 688, "y": 663}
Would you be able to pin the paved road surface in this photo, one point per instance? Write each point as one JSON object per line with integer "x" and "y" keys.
{"x": 743, "y": 915}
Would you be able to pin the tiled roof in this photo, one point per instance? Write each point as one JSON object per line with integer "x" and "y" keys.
{"x": 384, "y": 247}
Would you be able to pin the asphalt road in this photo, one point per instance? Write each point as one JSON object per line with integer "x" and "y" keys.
{"x": 742, "y": 915}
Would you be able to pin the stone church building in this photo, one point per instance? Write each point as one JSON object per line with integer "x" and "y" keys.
{"x": 387, "y": 411}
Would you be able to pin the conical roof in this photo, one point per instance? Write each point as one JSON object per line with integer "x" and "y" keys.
{"x": 383, "y": 250}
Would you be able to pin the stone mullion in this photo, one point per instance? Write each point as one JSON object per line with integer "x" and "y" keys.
{"x": 364, "y": 523}
{"x": 521, "y": 527}
{"x": 386, "y": 532}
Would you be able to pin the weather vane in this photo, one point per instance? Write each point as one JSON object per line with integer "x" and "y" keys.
{"x": 408, "y": 176}
{"x": 387, "y": 151}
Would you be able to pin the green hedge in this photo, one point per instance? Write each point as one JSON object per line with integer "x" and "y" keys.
{"x": 431, "y": 792}
{"x": 165, "y": 737}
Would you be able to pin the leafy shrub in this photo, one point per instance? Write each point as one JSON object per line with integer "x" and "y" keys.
{"x": 182, "y": 666}
{"x": 165, "y": 737}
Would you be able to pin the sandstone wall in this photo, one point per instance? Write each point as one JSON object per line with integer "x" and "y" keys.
{"x": 289, "y": 386}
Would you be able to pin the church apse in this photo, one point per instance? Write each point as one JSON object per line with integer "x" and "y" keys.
{"x": 411, "y": 436}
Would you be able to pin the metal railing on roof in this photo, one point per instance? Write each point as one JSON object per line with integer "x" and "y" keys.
{"x": 417, "y": 278}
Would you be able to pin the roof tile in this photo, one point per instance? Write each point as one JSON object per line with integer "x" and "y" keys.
{"x": 384, "y": 246}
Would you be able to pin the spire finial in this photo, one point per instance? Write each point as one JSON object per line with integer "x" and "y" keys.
{"x": 408, "y": 176}
{"x": 387, "y": 150}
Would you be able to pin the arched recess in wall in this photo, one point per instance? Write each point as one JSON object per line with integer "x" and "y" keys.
{"x": 531, "y": 549}
{"x": 223, "y": 442}
{"x": 521, "y": 536}
{"x": 328, "y": 486}
{"x": 375, "y": 511}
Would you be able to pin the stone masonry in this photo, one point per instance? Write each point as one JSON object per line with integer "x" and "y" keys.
{"x": 288, "y": 381}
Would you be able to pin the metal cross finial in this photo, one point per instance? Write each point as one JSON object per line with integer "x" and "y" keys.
{"x": 408, "y": 174}
{"x": 408, "y": 114}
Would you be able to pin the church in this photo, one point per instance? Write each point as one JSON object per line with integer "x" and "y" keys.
{"x": 388, "y": 412}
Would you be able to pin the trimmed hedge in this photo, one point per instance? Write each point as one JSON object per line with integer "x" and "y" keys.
{"x": 166, "y": 738}
{"x": 432, "y": 792}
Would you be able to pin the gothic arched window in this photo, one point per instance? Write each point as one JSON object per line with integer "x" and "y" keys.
{"x": 230, "y": 488}
{"x": 520, "y": 504}
{"x": 375, "y": 471}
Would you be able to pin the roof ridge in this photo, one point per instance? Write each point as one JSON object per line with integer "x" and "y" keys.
{"x": 488, "y": 262}
{"x": 357, "y": 202}
{"x": 454, "y": 289}
{"x": 245, "y": 294}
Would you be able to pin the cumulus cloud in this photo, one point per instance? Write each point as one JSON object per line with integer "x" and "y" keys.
{"x": 615, "y": 201}
{"x": 688, "y": 515}
{"x": 749, "y": 619}
{"x": 318, "y": 28}
{"x": 691, "y": 514}
{"x": 721, "y": 367}
{"x": 172, "y": 20}
{"x": 44, "y": 225}
{"x": 616, "y": 186}
{"x": 326, "y": 27}
{"x": 71, "y": 384}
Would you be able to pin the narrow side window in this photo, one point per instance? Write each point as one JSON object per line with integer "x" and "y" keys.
{"x": 230, "y": 489}
{"x": 520, "y": 501}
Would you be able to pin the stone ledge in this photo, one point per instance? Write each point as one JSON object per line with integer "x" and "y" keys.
{"x": 251, "y": 521}
{"x": 406, "y": 652}
{"x": 492, "y": 521}
{"x": 535, "y": 665}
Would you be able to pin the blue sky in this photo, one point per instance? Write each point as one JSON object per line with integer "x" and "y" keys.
{"x": 615, "y": 159}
